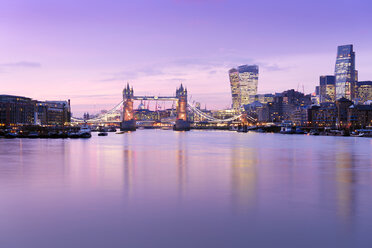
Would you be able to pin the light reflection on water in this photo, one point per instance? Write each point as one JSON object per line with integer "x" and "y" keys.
{"x": 155, "y": 188}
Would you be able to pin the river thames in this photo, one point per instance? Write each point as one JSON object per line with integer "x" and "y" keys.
{"x": 158, "y": 188}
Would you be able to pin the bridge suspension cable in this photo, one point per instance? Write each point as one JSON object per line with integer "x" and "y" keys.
{"x": 100, "y": 117}
{"x": 213, "y": 119}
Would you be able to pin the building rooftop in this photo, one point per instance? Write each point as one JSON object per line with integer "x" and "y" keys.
{"x": 12, "y": 98}
{"x": 361, "y": 107}
{"x": 248, "y": 68}
{"x": 364, "y": 83}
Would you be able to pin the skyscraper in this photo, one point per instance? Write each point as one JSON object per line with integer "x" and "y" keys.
{"x": 243, "y": 81}
{"x": 235, "y": 88}
{"x": 345, "y": 72}
{"x": 248, "y": 75}
{"x": 327, "y": 88}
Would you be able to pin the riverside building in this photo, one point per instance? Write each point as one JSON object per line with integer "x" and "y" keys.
{"x": 364, "y": 91}
{"x": 16, "y": 110}
{"x": 53, "y": 113}
{"x": 19, "y": 110}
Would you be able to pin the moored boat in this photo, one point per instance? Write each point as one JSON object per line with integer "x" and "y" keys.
{"x": 84, "y": 132}
{"x": 314, "y": 132}
{"x": 33, "y": 135}
{"x": 299, "y": 130}
{"x": 11, "y": 135}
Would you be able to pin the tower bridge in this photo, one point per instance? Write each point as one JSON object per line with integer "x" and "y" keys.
{"x": 128, "y": 122}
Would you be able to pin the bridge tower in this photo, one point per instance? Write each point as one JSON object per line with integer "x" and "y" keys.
{"x": 128, "y": 123}
{"x": 181, "y": 123}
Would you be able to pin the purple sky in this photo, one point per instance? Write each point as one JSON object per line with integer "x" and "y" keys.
{"x": 87, "y": 50}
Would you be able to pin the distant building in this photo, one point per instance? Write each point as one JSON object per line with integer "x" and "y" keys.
{"x": 53, "y": 112}
{"x": 342, "y": 114}
{"x": 343, "y": 105}
{"x": 235, "y": 88}
{"x": 223, "y": 114}
{"x": 288, "y": 105}
{"x": 300, "y": 116}
{"x": 327, "y": 89}
{"x": 243, "y": 82}
{"x": 323, "y": 115}
{"x": 317, "y": 90}
{"x": 262, "y": 98}
{"x": 248, "y": 75}
{"x": 16, "y": 110}
{"x": 315, "y": 97}
{"x": 364, "y": 91}
{"x": 345, "y": 72}
{"x": 360, "y": 116}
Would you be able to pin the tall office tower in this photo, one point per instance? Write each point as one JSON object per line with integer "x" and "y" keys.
{"x": 243, "y": 81}
{"x": 235, "y": 88}
{"x": 248, "y": 76}
{"x": 345, "y": 72}
{"x": 327, "y": 89}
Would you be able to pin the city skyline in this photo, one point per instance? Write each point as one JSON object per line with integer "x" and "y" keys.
{"x": 87, "y": 51}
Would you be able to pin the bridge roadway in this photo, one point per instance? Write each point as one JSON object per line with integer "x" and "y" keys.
{"x": 156, "y": 98}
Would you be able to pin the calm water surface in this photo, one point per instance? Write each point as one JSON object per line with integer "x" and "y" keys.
{"x": 157, "y": 188}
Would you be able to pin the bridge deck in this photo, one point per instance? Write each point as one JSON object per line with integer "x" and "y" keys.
{"x": 156, "y": 98}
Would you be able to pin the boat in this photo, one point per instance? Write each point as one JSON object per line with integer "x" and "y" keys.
{"x": 299, "y": 130}
{"x": 62, "y": 135}
{"x": 73, "y": 135}
{"x": 112, "y": 129}
{"x": 53, "y": 135}
{"x": 85, "y": 135}
{"x": 287, "y": 127}
{"x": 33, "y": 135}
{"x": 11, "y": 135}
{"x": 286, "y": 130}
{"x": 314, "y": 132}
{"x": 84, "y": 132}
{"x": 364, "y": 132}
{"x": 102, "y": 134}
{"x": 102, "y": 129}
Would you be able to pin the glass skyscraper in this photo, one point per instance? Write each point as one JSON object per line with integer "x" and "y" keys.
{"x": 345, "y": 72}
{"x": 327, "y": 89}
{"x": 248, "y": 75}
{"x": 235, "y": 88}
{"x": 243, "y": 81}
